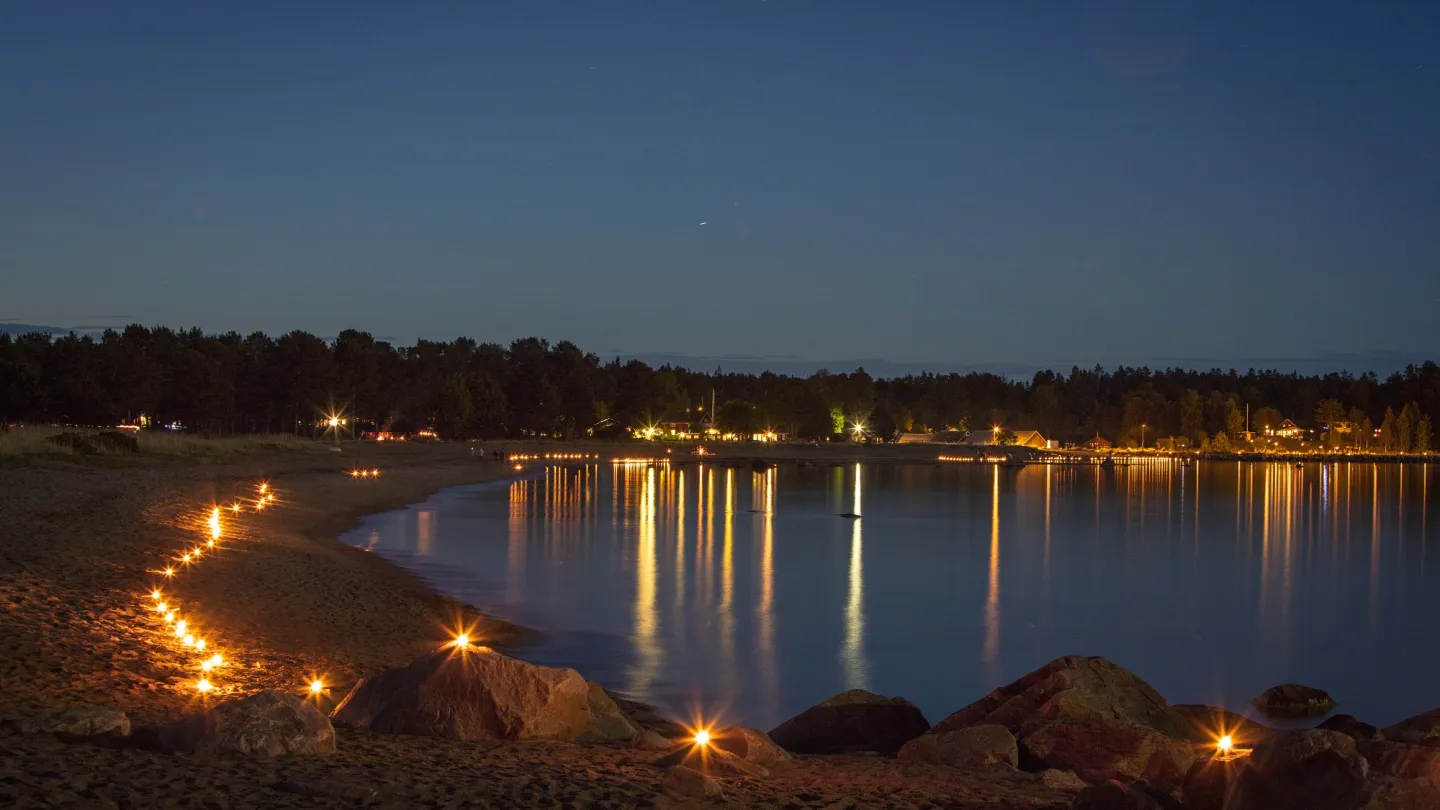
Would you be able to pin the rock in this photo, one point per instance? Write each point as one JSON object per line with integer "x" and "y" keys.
{"x": 1113, "y": 795}
{"x": 79, "y": 722}
{"x": 1349, "y": 726}
{"x": 649, "y": 739}
{"x": 711, "y": 761}
{"x": 1208, "y": 723}
{"x": 607, "y": 722}
{"x": 1207, "y": 782}
{"x": 77, "y": 443}
{"x": 116, "y": 441}
{"x": 1060, "y": 780}
{"x": 267, "y": 722}
{"x": 1294, "y": 700}
{"x": 749, "y": 745}
{"x": 852, "y": 722}
{"x": 689, "y": 783}
{"x": 1300, "y": 770}
{"x": 1097, "y": 750}
{"x": 1422, "y": 729}
{"x": 969, "y": 747}
{"x": 1403, "y": 761}
{"x": 1071, "y": 688}
{"x": 1401, "y": 795}
{"x": 477, "y": 694}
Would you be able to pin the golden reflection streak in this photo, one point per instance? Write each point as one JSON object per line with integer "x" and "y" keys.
{"x": 680, "y": 546}
{"x": 515, "y": 549}
{"x": 727, "y": 581}
{"x": 768, "y": 670}
{"x": 856, "y": 666}
{"x": 1374, "y": 543}
{"x": 990, "y": 652}
{"x": 646, "y": 620}
{"x": 425, "y": 531}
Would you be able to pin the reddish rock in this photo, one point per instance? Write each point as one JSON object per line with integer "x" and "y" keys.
{"x": 1097, "y": 750}
{"x": 79, "y": 722}
{"x": 711, "y": 761}
{"x": 1301, "y": 770}
{"x": 749, "y": 745}
{"x": 471, "y": 695}
{"x": 1294, "y": 700}
{"x": 1403, "y": 761}
{"x": 1207, "y": 782}
{"x": 1061, "y": 780}
{"x": 1422, "y": 729}
{"x": 1349, "y": 726}
{"x": 969, "y": 747}
{"x": 1401, "y": 795}
{"x": 1207, "y": 724}
{"x": 269, "y": 723}
{"x": 607, "y": 722}
{"x": 1113, "y": 795}
{"x": 1068, "y": 689}
{"x": 689, "y": 783}
{"x": 852, "y": 722}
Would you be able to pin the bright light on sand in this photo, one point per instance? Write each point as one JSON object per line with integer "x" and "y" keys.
{"x": 199, "y": 643}
{"x": 155, "y": 594}
{"x": 316, "y": 687}
{"x": 169, "y": 572}
{"x": 462, "y": 641}
{"x": 1225, "y": 745}
{"x": 702, "y": 737}
{"x": 204, "y": 685}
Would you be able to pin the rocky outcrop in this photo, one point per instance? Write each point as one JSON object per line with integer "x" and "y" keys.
{"x": 688, "y": 783}
{"x": 1422, "y": 729}
{"x": 852, "y": 722}
{"x": 1403, "y": 761}
{"x": 652, "y": 740}
{"x": 1207, "y": 782}
{"x": 1209, "y": 723}
{"x": 1294, "y": 700}
{"x": 1114, "y": 795}
{"x": 268, "y": 723}
{"x": 1351, "y": 727}
{"x": 78, "y": 722}
{"x": 969, "y": 747}
{"x": 1068, "y": 689}
{"x": 1060, "y": 780}
{"x": 1101, "y": 749}
{"x": 476, "y": 694}
{"x": 1401, "y": 795}
{"x": 607, "y": 722}
{"x": 1301, "y": 770}
{"x": 750, "y": 745}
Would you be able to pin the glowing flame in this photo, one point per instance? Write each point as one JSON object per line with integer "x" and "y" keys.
{"x": 199, "y": 643}
{"x": 1225, "y": 744}
{"x": 216, "y": 660}
{"x": 316, "y": 687}
{"x": 462, "y": 641}
{"x": 169, "y": 572}
{"x": 155, "y": 594}
{"x": 204, "y": 685}
{"x": 702, "y": 737}
{"x": 214, "y": 525}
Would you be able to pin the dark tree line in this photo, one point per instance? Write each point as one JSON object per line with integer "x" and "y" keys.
{"x": 231, "y": 383}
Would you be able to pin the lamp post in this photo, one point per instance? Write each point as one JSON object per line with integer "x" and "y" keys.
{"x": 1142, "y": 435}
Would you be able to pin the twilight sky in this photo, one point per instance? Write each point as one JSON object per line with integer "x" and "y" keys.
{"x": 939, "y": 182}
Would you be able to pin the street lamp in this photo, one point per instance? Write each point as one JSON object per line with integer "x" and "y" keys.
{"x": 1142, "y": 435}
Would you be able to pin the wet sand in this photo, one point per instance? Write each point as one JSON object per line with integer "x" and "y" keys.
{"x": 285, "y": 602}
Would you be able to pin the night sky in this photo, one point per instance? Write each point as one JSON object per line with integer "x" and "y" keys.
{"x": 938, "y": 182}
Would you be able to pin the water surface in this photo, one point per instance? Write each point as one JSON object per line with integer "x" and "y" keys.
{"x": 712, "y": 589}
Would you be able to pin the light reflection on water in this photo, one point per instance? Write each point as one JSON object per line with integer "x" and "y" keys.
{"x": 723, "y": 588}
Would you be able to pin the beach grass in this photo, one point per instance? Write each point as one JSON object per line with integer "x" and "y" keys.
{"x": 20, "y": 442}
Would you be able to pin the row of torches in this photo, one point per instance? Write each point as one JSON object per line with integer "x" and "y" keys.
{"x": 181, "y": 628}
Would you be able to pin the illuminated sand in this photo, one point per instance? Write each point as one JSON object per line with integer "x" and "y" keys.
{"x": 83, "y": 551}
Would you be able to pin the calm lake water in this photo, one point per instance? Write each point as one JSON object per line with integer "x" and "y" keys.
{"x": 746, "y": 594}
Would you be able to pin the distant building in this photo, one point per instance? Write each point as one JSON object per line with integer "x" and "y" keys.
{"x": 1096, "y": 444}
{"x": 1023, "y": 438}
{"x": 1287, "y": 430}
{"x": 680, "y": 425}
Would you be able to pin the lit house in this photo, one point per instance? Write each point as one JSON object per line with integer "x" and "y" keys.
{"x": 1287, "y": 430}
{"x": 1023, "y": 438}
{"x": 680, "y": 425}
{"x": 1097, "y": 444}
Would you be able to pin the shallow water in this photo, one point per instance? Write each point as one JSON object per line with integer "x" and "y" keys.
{"x": 711, "y": 590}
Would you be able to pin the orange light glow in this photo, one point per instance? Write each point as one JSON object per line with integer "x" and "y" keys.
{"x": 169, "y": 572}
{"x": 204, "y": 685}
{"x": 462, "y": 641}
{"x": 199, "y": 643}
{"x": 316, "y": 687}
{"x": 155, "y": 594}
{"x": 1225, "y": 744}
{"x": 702, "y": 737}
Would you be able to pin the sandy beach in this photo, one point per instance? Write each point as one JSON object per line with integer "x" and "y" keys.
{"x": 82, "y": 541}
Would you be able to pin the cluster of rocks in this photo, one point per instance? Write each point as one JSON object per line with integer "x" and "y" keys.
{"x": 1080, "y": 724}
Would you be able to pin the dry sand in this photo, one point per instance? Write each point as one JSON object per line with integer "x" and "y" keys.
{"x": 285, "y": 602}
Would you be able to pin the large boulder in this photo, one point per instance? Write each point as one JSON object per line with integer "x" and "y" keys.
{"x": 1301, "y": 770}
{"x": 1101, "y": 749}
{"x": 688, "y": 783}
{"x": 1207, "y": 782}
{"x": 1401, "y": 795}
{"x": 852, "y": 722}
{"x": 1294, "y": 700}
{"x": 268, "y": 723}
{"x": 79, "y": 722}
{"x": 1207, "y": 724}
{"x": 1403, "y": 761}
{"x": 750, "y": 745}
{"x": 1113, "y": 795}
{"x": 969, "y": 747}
{"x": 607, "y": 722}
{"x": 1072, "y": 688}
{"x": 1348, "y": 725}
{"x": 1422, "y": 729}
{"x": 474, "y": 694}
